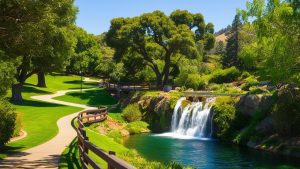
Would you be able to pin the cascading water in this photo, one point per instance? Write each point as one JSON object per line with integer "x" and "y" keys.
{"x": 192, "y": 121}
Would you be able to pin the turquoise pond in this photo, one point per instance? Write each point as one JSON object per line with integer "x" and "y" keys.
{"x": 206, "y": 154}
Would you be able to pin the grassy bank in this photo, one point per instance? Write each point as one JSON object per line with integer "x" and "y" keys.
{"x": 109, "y": 141}
{"x": 39, "y": 118}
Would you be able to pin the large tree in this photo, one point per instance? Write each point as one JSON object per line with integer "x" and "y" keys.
{"x": 160, "y": 41}
{"x": 35, "y": 32}
{"x": 87, "y": 54}
{"x": 276, "y": 47}
{"x": 230, "y": 58}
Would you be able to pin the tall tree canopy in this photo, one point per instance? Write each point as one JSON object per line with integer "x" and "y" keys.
{"x": 158, "y": 41}
{"x": 230, "y": 58}
{"x": 276, "y": 48}
{"x": 87, "y": 54}
{"x": 37, "y": 33}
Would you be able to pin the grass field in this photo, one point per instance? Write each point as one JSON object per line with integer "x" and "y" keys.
{"x": 97, "y": 97}
{"x": 39, "y": 118}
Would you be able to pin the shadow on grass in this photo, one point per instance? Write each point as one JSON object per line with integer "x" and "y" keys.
{"x": 70, "y": 157}
{"x": 30, "y": 88}
{"x": 9, "y": 150}
{"x": 95, "y": 97}
{"x": 85, "y": 84}
{"x": 33, "y": 103}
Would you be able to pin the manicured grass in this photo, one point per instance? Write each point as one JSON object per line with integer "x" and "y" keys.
{"x": 39, "y": 118}
{"x": 97, "y": 97}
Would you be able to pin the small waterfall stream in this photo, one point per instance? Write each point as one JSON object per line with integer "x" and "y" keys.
{"x": 192, "y": 121}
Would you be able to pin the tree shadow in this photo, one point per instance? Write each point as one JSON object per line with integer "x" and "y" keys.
{"x": 9, "y": 150}
{"x": 34, "y": 103}
{"x": 70, "y": 159}
{"x": 98, "y": 97}
{"x": 18, "y": 161}
{"x": 84, "y": 84}
{"x": 30, "y": 88}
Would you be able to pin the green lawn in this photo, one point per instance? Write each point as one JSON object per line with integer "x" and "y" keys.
{"x": 39, "y": 118}
{"x": 97, "y": 97}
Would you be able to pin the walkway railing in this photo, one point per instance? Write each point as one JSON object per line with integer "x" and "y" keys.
{"x": 85, "y": 146}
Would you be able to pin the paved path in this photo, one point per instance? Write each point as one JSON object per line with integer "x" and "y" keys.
{"x": 47, "y": 155}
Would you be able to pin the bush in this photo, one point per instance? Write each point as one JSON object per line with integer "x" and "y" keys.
{"x": 244, "y": 75}
{"x": 18, "y": 126}
{"x": 224, "y": 88}
{"x": 116, "y": 135}
{"x": 249, "y": 82}
{"x": 225, "y": 76}
{"x": 137, "y": 127}
{"x": 132, "y": 113}
{"x": 286, "y": 111}
{"x": 224, "y": 115}
{"x": 195, "y": 81}
{"x": 7, "y": 122}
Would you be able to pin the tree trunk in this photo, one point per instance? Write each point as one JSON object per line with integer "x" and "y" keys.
{"x": 159, "y": 83}
{"x": 16, "y": 93}
{"x": 41, "y": 79}
{"x": 166, "y": 71}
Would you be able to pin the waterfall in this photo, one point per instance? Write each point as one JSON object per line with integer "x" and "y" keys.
{"x": 194, "y": 120}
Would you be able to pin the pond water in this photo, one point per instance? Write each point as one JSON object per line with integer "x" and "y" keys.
{"x": 205, "y": 154}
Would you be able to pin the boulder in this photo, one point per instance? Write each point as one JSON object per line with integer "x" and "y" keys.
{"x": 266, "y": 126}
{"x": 251, "y": 103}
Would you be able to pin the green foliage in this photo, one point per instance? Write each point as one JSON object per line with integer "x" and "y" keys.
{"x": 249, "y": 82}
{"x": 224, "y": 115}
{"x": 230, "y": 58}
{"x": 18, "y": 124}
{"x": 195, "y": 81}
{"x": 7, "y": 72}
{"x": 275, "y": 49}
{"x": 225, "y": 76}
{"x": 116, "y": 135}
{"x": 249, "y": 132}
{"x": 8, "y": 122}
{"x": 224, "y": 88}
{"x": 159, "y": 42}
{"x": 286, "y": 112}
{"x": 132, "y": 113}
{"x": 87, "y": 54}
{"x": 137, "y": 127}
{"x": 40, "y": 40}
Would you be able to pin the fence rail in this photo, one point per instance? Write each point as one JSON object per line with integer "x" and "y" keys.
{"x": 85, "y": 146}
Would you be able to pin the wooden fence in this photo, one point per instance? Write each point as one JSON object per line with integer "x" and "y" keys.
{"x": 85, "y": 146}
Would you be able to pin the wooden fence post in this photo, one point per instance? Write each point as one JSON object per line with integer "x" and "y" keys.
{"x": 108, "y": 165}
{"x": 85, "y": 149}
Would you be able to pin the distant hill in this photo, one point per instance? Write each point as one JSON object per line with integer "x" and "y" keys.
{"x": 221, "y": 37}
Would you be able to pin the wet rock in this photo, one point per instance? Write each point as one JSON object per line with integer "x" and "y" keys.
{"x": 251, "y": 103}
{"x": 266, "y": 126}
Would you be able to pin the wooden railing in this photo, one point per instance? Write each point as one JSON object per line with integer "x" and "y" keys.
{"x": 85, "y": 146}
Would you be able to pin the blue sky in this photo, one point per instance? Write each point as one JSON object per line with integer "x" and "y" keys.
{"x": 95, "y": 15}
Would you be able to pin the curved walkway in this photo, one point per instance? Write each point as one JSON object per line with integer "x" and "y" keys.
{"x": 47, "y": 155}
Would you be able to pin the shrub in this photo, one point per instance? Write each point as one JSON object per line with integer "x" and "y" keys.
{"x": 224, "y": 88}
{"x": 7, "y": 122}
{"x": 249, "y": 82}
{"x": 195, "y": 81}
{"x": 18, "y": 126}
{"x": 286, "y": 111}
{"x": 116, "y": 135}
{"x": 137, "y": 127}
{"x": 244, "y": 75}
{"x": 132, "y": 113}
{"x": 225, "y": 76}
{"x": 224, "y": 115}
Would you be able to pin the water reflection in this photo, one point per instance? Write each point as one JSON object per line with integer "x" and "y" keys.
{"x": 210, "y": 154}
